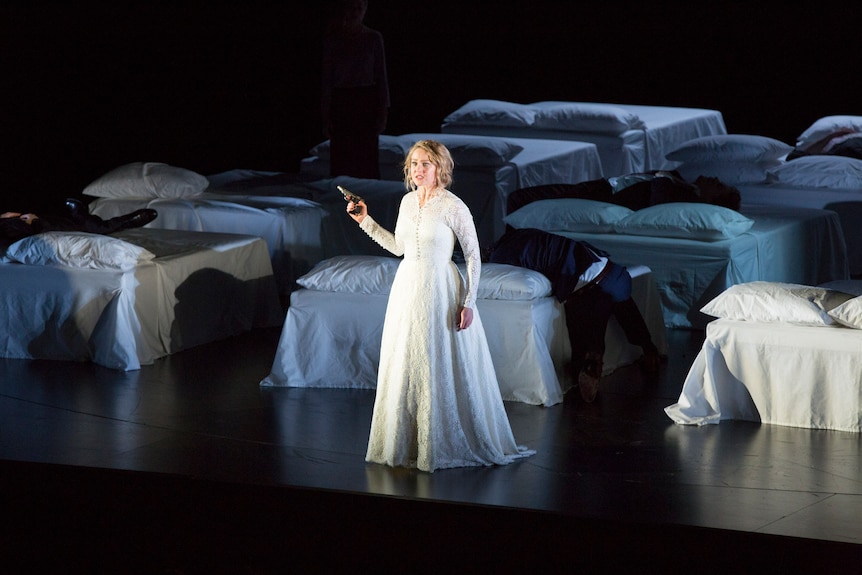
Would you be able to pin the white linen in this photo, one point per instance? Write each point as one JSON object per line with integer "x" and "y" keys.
{"x": 148, "y": 180}
{"x": 776, "y": 302}
{"x": 332, "y": 339}
{"x": 846, "y": 203}
{"x": 730, "y": 148}
{"x": 695, "y": 221}
{"x": 827, "y": 126}
{"x": 77, "y": 250}
{"x": 785, "y": 244}
{"x": 485, "y": 188}
{"x": 200, "y": 287}
{"x": 632, "y": 151}
{"x": 781, "y": 374}
{"x": 568, "y": 214}
{"x": 290, "y": 226}
{"x": 302, "y": 221}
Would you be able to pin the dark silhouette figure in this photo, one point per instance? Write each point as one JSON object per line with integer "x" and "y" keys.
{"x": 355, "y": 92}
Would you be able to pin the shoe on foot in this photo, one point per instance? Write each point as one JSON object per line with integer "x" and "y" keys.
{"x": 590, "y": 376}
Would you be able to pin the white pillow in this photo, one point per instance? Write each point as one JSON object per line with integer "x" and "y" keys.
{"x": 819, "y": 171}
{"x": 729, "y": 173}
{"x": 569, "y": 215}
{"x": 730, "y": 148}
{"x": 374, "y": 275}
{"x": 78, "y": 250}
{"x": 693, "y": 221}
{"x": 148, "y": 180}
{"x": 508, "y": 282}
{"x": 586, "y": 117}
{"x": 776, "y": 302}
{"x": 491, "y": 113}
{"x": 827, "y": 126}
{"x": 352, "y": 274}
{"x": 849, "y": 313}
{"x": 390, "y": 150}
{"x": 479, "y": 151}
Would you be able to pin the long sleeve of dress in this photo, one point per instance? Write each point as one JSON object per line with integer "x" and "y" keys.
{"x": 382, "y": 236}
{"x": 461, "y": 222}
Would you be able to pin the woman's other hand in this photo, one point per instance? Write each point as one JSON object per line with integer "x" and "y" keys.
{"x": 465, "y": 318}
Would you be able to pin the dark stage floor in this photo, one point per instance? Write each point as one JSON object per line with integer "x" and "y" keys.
{"x": 188, "y": 466}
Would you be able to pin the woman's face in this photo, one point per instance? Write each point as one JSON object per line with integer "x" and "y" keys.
{"x": 423, "y": 172}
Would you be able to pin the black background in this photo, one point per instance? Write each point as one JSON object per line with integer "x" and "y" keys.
{"x": 88, "y": 87}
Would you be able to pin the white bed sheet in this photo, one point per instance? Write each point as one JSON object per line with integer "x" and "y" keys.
{"x": 775, "y": 373}
{"x": 332, "y": 340}
{"x": 289, "y": 225}
{"x": 633, "y": 151}
{"x": 302, "y": 222}
{"x": 201, "y": 287}
{"x": 485, "y": 189}
{"x": 846, "y": 203}
{"x": 785, "y": 244}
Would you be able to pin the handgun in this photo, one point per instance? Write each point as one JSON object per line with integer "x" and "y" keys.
{"x": 351, "y": 197}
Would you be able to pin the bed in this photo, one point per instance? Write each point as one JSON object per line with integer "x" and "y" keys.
{"x": 629, "y": 138}
{"x": 762, "y": 170}
{"x": 487, "y": 169}
{"x": 779, "y": 354}
{"x": 695, "y": 251}
{"x": 124, "y": 300}
{"x": 301, "y": 221}
{"x": 332, "y": 332}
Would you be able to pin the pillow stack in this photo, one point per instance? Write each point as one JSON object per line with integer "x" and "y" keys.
{"x": 148, "y": 180}
{"x": 732, "y": 158}
{"x": 776, "y": 302}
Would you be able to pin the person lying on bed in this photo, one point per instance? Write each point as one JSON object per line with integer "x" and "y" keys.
{"x": 843, "y": 142}
{"x": 635, "y": 191}
{"x": 591, "y": 288}
{"x": 73, "y": 218}
{"x": 638, "y": 191}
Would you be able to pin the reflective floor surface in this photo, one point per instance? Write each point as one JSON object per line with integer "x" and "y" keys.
{"x": 188, "y": 466}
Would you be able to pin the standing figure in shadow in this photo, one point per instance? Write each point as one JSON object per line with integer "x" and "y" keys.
{"x": 355, "y": 92}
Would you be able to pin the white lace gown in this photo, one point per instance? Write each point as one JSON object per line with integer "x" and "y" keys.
{"x": 437, "y": 404}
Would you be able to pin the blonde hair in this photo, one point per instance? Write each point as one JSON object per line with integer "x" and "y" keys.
{"x": 440, "y": 157}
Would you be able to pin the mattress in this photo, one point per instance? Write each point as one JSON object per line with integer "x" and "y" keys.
{"x": 200, "y": 287}
{"x": 847, "y": 203}
{"x": 332, "y": 340}
{"x": 785, "y": 244}
{"x": 485, "y": 188}
{"x": 641, "y": 149}
{"x": 290, "y": 226}
{"x": 775, "y": 373}
{"x": 302, "y": 222}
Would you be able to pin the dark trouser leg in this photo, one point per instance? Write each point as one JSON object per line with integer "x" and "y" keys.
{"x": 587, "y": 316}
{"x": 82, "y": 222}
{"x": 96, "y": 225}
{"x": 630, "y": 319}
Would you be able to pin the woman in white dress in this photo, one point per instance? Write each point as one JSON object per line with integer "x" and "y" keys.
{"x": 438, "y": 404}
